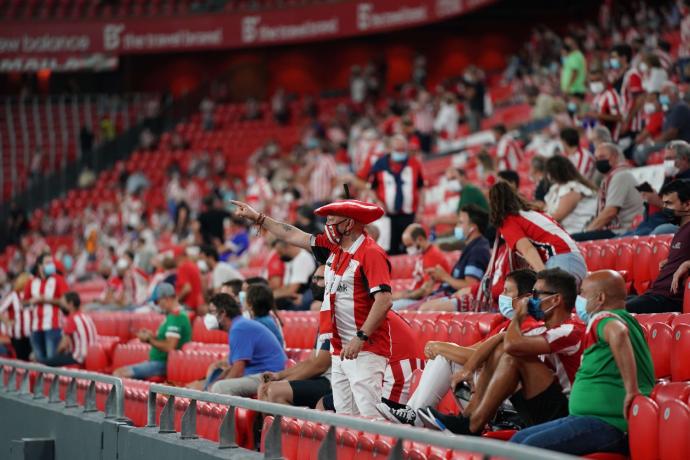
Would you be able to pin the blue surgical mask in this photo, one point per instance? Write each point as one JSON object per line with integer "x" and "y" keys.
{"x": 49, "y": 269}
{"x": 572, "y": 107}
{"x": 581, "y": 309}
{"x": 664, "y": 100}
{"x": 68, "y": 262}
{"x": 534, "y": 308}
{"x": 505, "y": 306}
{"x": 399, "y": 157}
{"x": 243, "y": 297}
{"x": 615, "y": 63}
{"x": 459, "y": 233}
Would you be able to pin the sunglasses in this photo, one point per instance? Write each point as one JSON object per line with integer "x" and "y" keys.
{"x": 537, "y": 293}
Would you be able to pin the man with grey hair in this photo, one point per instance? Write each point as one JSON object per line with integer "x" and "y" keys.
{"x": 619, "y": 200}
{"x": 600, "y": 134}
{"x": 676, "y": 122}
{"x": 397, "y": 181}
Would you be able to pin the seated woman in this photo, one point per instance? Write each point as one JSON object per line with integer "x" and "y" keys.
{"x": 572, "y": 199}
{"x": 536, "y": 236}
{"x": 262, "y": 307}
{"x": 470, "y": 268}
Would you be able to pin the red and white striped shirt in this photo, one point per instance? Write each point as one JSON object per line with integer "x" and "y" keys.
{"x": 321, "y": 178}
{"x": 565, "y": 342}
{"x": 389, "y": 178}
{"x": 631, "y": 87}
{"x": 368, "y": 273}
{"x": 80, "y": 328}
{"x": 583, "y": 160}
{"x": 15, "y": 311}
{"x": 405, "y": 359}
{"x": 46, "y": 316}
{"x": 609, "y": 102}
{"x": 547, "y": 236}
{"x": 509, "y": 153}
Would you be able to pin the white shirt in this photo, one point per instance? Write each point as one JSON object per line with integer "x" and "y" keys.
{"x": 583, "y": 213}
{"x": 299, "y": 269}
{"x": 222, "y": 273}
{"x": 447, "y": 119}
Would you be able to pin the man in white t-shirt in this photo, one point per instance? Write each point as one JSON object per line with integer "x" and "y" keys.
{"x": 221, "y": 272}
{"x": 299, "y": 266}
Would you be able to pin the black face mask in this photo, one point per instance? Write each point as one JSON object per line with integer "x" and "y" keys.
{"x": 603, "y": 166}
{"x": 285, "y": 258}
{"x": 318, "y": 292}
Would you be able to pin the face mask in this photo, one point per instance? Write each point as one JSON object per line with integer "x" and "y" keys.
{"x": 670, "y": 215}
{"x": 68, "y": 262}
{"x": 49, "y": 269}
{"x": 534, "y": 308}
{"x": 454, "y": 186}
{"x": 603, "y": 166}
{"x": 615, "y": 63}
{"x": 670, "y": 168}
{"x": 285, "y": 259}
{"x": 649, "y": 108}
{"x": 203, "y": 266}
{"x": 122, "y": 264}
{"x": 333, "y": 233}
{"x": 643, "y": 67}
{"x": 596, "y": 87}
{"x": 251, "y": 180}
{"x": 412, "y": 250}
{"x": 459, "y": 233}
{"x": 505, "y": 306}
{"x": 572, "y": 107}
{"x": 398, "y": 157}
{"x": 664, "y": 100}
{"x": 242, "y": 297}
{"x": 318, "y": 292}
{"x": 211, "y": 322}
{"x": 581, "y": 309}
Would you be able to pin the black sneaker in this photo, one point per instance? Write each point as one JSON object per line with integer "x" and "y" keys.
{"x": 457, "y": 424}
{"x": 405, "y": 415}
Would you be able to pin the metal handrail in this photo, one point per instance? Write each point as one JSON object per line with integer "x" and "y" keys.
{"x": 273, "y": 448}
{"x": 115, "y": 402}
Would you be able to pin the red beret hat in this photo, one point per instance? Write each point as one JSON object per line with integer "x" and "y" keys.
{"x": 360, "y": 211}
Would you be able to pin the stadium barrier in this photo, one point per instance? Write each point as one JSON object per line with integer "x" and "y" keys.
{"x": 328, "y": 448}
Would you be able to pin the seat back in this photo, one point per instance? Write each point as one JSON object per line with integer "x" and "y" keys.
{"x": 660, "y": 344}
{"x": 643, "y": 431}
{"x": 680, "y": 358}
{"x": 674, "y": 431}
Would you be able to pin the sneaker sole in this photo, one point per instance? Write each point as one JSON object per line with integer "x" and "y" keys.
{"x": 387, "y": 415}
{"x": 429, "y": 421}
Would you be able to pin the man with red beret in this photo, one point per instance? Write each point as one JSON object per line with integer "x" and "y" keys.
{"x": 357, "y": 298}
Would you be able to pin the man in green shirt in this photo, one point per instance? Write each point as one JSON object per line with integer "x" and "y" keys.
{"x": 574, "y": 68}
{"x": 616, "y": 367}
{"x": 174, "y": 332}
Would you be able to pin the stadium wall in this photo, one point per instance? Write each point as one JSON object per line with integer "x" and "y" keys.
{"x": 80, "y": 435}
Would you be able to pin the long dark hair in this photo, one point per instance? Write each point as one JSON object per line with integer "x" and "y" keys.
{"x": 504, "y": 201}
{"x": 561, "y": 170}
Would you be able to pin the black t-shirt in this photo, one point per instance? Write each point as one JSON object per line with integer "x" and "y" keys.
{"x": 679, "y": 253}
{"x": 211, "y": 224}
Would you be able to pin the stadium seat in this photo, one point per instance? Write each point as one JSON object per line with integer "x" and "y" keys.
{"x": 680, "y": 358}
{"x": 642, "y": 267}
{"x": 670, "y": 391}
{"x": 643, "y": 430}
{"x": 674, "y": 430}
{"x": 455, "y": 332}
{"x": 660, "y": 345}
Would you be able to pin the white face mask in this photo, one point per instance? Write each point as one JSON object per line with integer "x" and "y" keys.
{"x": 412, "y": 250}
{"x": 454, "y": 185}
{"x": 596, "y": 87}
{"x": 203, "y": 266}
{"x": 643, "y": 67}
{"x": 670, "y": 168}
{"x": 211, "y": 322}
{"x": 649, "y": 108}
{"x": 122, "y": 264}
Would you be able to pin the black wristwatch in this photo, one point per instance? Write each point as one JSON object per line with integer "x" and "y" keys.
{"x": 362, "y": 336}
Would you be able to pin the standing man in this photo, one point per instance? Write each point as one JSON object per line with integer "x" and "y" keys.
{"x": 398, "y": 183}
{"x": 356, "y": 300}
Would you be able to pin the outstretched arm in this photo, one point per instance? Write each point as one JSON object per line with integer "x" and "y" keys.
{"x": 281, "y": 230}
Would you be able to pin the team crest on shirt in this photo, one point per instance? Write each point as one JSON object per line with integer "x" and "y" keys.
{"x": 341, "y": 288}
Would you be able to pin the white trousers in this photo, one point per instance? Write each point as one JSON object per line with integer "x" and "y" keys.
{"x": 358, "y": 384}
{"x": 434, "y": 384}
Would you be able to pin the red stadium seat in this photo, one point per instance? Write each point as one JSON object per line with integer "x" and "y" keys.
{"x": 660, "y": 344}
{"x": 680, "y": 358}
{"x": 642, "y": 268}
{"x": 674, "y": 431}
{"x": 470, "y": 334}
{"x": 643, "y": 430}
{"x": 455, "y": 332}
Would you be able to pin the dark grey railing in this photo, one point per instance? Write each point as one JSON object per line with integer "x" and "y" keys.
{"x": 115, "y": 402}
{"x": 327, "y": 450}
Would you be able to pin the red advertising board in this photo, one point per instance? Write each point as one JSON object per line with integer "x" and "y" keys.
{"x": 32, "y": 44}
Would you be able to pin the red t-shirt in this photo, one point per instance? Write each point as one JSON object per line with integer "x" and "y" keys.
{"x": 368, "y": 273}
{"x": 82, "y": 331}
{"x": 565, "y": 341}
{"x": 188, "y": 272}
{"x": 406, "y": 357}
{"x": 528, "y": 324}
{"x": 547, "y": 236}
{"x": 429, "y": 259}
{"x": 274, "y": 266}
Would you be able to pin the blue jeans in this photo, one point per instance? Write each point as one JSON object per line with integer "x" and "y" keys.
{"x": 571, "y": 262}
{"x": 147, "y": 369}
{"x": 574, "y": 435}
{"x": 45, "y": 343}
